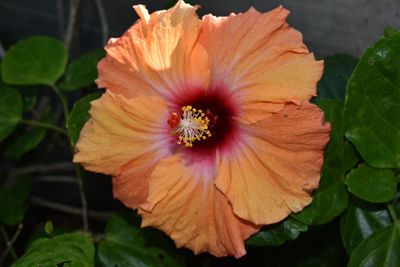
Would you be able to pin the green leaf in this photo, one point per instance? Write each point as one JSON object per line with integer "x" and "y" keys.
{"x": 79, "y": 115}
{"x": 331, "y": 198}
{"x": 278, "y": 234}
{"x": 337, "y": 71}
{"x": 83, "y": 71}
{"x": 340, "y": 156}
{"x": 49, "y": 228}
{"x": 390, "y": 31}
{"x": 10, "y": 110}
{"x": 35, "y": 60}
{"x": 371, "y": 184}
{"x": 25, "y": 142}
{"x": 329, "y": 201}
{"x": 381, "y": 249}
{"x": 372, "y": 108}
{"x": 12, "y": 200}
{"x": 28, "y": 93}
{"x": 360, "y": 221}
{"x": 125, "y": 245}
{"x": 68, "y": 250}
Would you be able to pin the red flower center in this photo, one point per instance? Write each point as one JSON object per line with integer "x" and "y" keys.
{"x": 217, "y": 112}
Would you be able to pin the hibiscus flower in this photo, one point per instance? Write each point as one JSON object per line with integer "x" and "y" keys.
{"x": 205, "y": 125}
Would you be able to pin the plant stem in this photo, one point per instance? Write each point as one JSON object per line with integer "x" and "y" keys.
{"x": 103, "y": 20}
{"x": 2, "y": 51}
{"x": 63, "y": 102}
{"x": 100, "y": 215}
{"x": 9, "y": 243}
{"x": 43, "y": 168}
{"x": 56, "y": 179}
{"x": 78, "y": 170}
{"x": 46, "y": 125}
{"x": 73, "y": 19}
{"x": 79, "y": 173}
{"x": 392, "y": 212}
{"x": 60, "y": 15}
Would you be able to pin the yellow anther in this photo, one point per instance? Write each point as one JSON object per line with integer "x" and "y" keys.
{"x": 192, "y": 125}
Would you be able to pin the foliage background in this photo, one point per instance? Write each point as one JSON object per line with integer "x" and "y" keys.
{"x": 354, "y": 212}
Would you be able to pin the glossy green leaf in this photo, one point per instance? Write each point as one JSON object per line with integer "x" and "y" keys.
{"x": 329, "y": 201}
{"x": 67, "y": 250}
{"x": 390, "y": 31}
{"x": 278, "y": 234}
{"x": 79, "y": 115}
{"x": 371, "y": 184}
{"x": 83, "y": 71}
{"x": 12, "y": 202}
{"x": 10, "y": 110}
{"x": 381, "y": 249}
{"x": 28, "y": 93}
{"x": 126, "y": 245}
{"x": 340, "y": 155}
{"x": 35, "y": 60}
{"x": 372, "y": 108}
{"x": 331, "y": 198}
{"x": 360, "y": 221}
{"x": 337, "y": 71}
{"x": 25, "y": 142}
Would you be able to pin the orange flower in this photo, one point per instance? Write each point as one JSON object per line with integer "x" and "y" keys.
{"x": 206, "y": 126}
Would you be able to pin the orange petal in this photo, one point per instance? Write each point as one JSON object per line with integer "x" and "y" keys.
{"x": 260, "y": 58}
{"x": 121, "y": 131}
{"x": 157, "y": 55}
{"x": 252, "y": 112}
{"x": 275, "y": 170}
{"x": 185, "y": 204}
{"x": 131, "y": 186}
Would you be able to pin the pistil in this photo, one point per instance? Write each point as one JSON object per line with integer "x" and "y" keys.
{"x": 190, "y": 125}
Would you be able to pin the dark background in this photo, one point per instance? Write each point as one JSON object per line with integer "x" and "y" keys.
{"x": 329, "y": 26}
